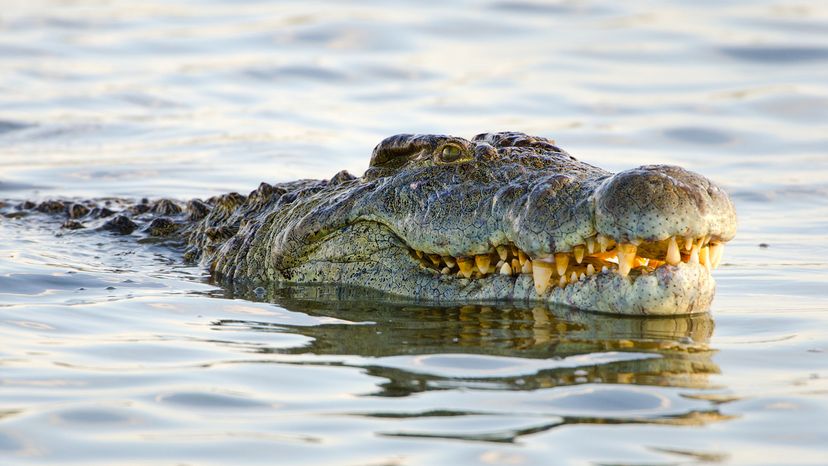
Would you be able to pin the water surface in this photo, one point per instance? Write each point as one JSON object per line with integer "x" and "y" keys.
{"x": 115, "y": 352}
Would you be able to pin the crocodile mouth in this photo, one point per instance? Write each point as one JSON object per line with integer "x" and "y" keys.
{"x": 600, "y": 254}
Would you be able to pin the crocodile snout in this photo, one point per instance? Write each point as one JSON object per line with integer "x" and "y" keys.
{"x": 654, "y": 202}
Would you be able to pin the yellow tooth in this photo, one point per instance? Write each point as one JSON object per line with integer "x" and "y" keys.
{"x": 610, "y": 243}
{"x": 590, "y": 270}
{"x": 419, "y": 254}
{"x": 450, "y": 262}
{"x": 503, "y": 252}
{"x": 694, "y": 254}
{"x": 673, "y": 254}
{"x": 573, "y": 277}
{"x": 561, "y": 262}
{"x": 578, "y": 252}
{"x": 688, "y": 243}
{"x": 542, "y": 272}
{"x": 445, "y": 271}
{"x": 482, "y": 261}
{"x": 505, "y": 269}
{"x": 716, "y": 252}
{"x": 435, "y": 258}
{"x": 499, "y": 264}
{"x": 562, "y": 282}
{"x": 590, "y": 244}
{"x": 704, "y": 258}
{"x": 522, "y": 257}
{"x": 581, "y": 276}
{"x": 515, "y": 266}
{"x": 603, "y": 243}
{"x": 626, "y": 258}
{"x": 604, "y": 269}
{"x": 466, "y": 265}
{"x": 527, "y": 267}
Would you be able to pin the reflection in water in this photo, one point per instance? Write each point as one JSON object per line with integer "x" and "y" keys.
{"x": 692, "y": 418}
{"x": 504, "y": 347}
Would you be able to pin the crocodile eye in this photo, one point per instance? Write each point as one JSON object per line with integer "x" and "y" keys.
{"x": 451, "y": 153}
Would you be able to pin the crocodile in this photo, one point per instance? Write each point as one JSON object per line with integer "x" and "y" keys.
{"x": 503, "y": 216}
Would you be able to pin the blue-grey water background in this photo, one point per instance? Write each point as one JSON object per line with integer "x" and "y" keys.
{"x": 114, "y": 352}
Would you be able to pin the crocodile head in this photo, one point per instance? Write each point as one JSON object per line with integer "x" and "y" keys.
{"x": 504, "y": 216}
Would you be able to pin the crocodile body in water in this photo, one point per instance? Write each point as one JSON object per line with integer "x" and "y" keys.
{"x": 504, "y": 216}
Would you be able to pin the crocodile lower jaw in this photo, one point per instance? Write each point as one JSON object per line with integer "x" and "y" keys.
{"x": 671, "y": 276}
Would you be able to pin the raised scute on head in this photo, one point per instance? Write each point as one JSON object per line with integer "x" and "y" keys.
{"x": 516, "y": 139}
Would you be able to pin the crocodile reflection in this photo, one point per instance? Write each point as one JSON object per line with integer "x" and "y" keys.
{"x": 676, "y": 348}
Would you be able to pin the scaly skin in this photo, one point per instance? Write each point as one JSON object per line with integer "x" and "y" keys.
{"x": 445, "y": 198}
